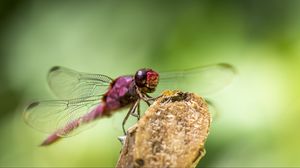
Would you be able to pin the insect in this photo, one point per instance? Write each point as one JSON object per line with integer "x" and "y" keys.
{"x": 85, "y": 97}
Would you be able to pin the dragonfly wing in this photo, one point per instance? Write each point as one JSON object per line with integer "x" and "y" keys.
{"x": 56, "y": 115}
{"x": 69, "y": 84}
{"x": 203, "y": 80}
{"x": 213, "y": 109}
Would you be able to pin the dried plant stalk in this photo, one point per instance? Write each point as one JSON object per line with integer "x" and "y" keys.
{"x": 172, "y": 133}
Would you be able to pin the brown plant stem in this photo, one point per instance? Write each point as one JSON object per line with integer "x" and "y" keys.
{"x": 172, "y": 133}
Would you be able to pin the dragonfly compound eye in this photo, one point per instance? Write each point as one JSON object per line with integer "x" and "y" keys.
{"x": 152, "y": 79}
{"x": 141, "y": 77}
{"x": 146, "y": 79}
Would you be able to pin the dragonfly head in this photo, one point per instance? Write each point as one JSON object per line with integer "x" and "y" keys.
{"x": 146, "y": 80}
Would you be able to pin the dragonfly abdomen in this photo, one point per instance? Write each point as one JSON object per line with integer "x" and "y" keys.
{"x": 72, "y": 125}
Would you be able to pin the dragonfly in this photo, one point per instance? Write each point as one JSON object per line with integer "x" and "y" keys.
{"x": 83, "y": 98}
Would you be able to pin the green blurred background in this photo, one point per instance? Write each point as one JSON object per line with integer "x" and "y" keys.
{"x": 258, "y": 123}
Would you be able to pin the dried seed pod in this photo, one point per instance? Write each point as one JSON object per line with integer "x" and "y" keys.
{"x": 172, "y": 133}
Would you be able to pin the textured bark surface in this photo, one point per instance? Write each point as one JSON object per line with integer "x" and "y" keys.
{"x": 172, "y": 133}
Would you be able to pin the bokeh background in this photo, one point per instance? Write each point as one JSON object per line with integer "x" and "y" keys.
{"x": 258, "y": 121}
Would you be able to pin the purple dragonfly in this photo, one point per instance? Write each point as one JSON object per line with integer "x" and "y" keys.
{"x": 86, "y": 97}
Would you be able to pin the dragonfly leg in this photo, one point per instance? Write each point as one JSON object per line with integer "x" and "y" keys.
{"x": 137, "y": 113}
{"x": 143, "y": 96}
{"x": 152, "y": 98}
{"x": 131, "y": 111}
{"x": 148, "y": 96}
{"x": 149, "y": 100}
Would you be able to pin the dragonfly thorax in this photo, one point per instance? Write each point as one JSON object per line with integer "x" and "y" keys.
{"x": 146, "y": 80}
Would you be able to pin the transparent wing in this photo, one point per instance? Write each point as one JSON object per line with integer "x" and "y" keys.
{"x": 69, "y": 84}
{"x": 213, "y": 110}
{"x": 59, "y": 115}
{"x": 202, "y": 80}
